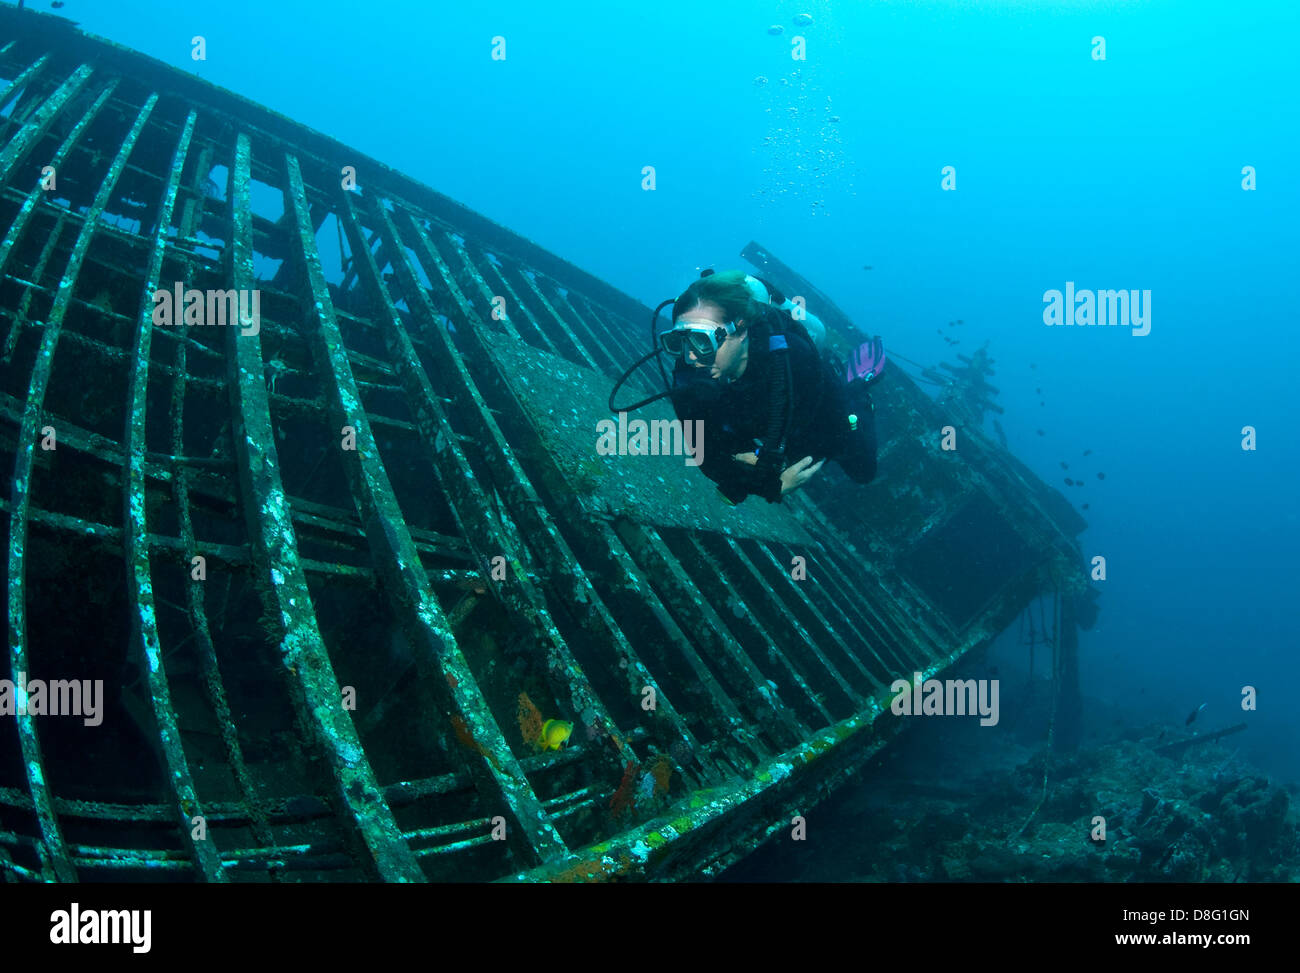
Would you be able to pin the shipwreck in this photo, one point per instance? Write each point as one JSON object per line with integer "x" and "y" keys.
{"x": 337, "y": 562}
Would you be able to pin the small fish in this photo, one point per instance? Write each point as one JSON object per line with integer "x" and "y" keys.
{"x": 1038, "y": 391}
{"x": 960, "y": 321}
{"x": 554, "y": 733}
{"x": 1069, "y": 482}
{"x": 1041, "y": 433}
{"x": 1032, "y": 365}
{"x": 866, "y": 266}
{"x": 1087, "y": 452}
{"x": 1161, "y": 736}
{"x": 1101, "y": 476}
{"x": 472, "y": 584}
{"x": 1085, "y": 506}
{"x": 1191, "y": 718}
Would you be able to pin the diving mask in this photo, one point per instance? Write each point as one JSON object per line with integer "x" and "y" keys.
{"x": 700, "y": 338}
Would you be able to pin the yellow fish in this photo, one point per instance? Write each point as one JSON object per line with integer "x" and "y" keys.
{"x": 554, "y": 733}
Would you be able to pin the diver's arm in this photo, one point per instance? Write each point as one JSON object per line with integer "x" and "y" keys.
{"x": 737, "y": 480}
{"x": 792, "y": 477}
{"x": 797, "y": 474}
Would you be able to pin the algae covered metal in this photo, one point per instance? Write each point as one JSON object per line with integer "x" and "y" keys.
{"x": 362, "y": 597}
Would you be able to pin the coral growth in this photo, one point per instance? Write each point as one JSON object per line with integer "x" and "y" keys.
{"x": 623, "y": 796}
{"x": 662, "y": 771}
{"x": 594, "y": 869}
{"x": 642, "y": 786}
{"x": 530, "y": 720}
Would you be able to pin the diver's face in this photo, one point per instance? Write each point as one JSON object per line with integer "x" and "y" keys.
{"x": 729, "y": 362}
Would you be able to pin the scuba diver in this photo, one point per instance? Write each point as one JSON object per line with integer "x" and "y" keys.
{"x": 757, "y": 380}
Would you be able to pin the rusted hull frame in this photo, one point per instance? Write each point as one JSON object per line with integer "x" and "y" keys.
{"x": 144, "y": 626}
{"x": 488, "y": 534}
{"x": 714, "y": 827}
{"x": 794, "y": 595}
{"x": 564, "y": 571}
{"x": 54, "y": 851}
{"x": 34, "y": 128}
{"x": 900, "y": 616}
{"x": 500, "y": 779}
{"x": 302, "y": 650}
{"x": 194, "y": 587}
{"x": 679, "y": 590}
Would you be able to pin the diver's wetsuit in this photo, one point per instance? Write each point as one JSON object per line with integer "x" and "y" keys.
{"x": 735, "y": 415}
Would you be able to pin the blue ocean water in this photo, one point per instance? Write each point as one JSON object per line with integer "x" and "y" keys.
{"x": 1125, "y": 172}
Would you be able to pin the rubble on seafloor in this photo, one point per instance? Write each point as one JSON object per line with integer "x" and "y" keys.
{"x": 1204, "y": 817}
{"x": 951, "y": 802}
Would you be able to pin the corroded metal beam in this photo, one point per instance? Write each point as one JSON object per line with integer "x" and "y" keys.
{"x": 829, "y": 590}
{"x": 319, "y": 699}
{"x": 144, "y": 624}
{"x": 490, "y": 533}
{"x": 780, "y": 577}
{"x": 27, "y": 137}
{"x": 716, "y": 826}
{"x": 53, "y": 843}
{"x": 19, "y": 224}
{"x": 679, "y": 591}
{"x": 498, "y": 773}
{"x": 565, "y": 574}
{"x": 213, "y": 684}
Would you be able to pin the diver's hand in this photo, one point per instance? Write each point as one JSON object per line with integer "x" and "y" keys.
{"x": 798, "y": 474}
